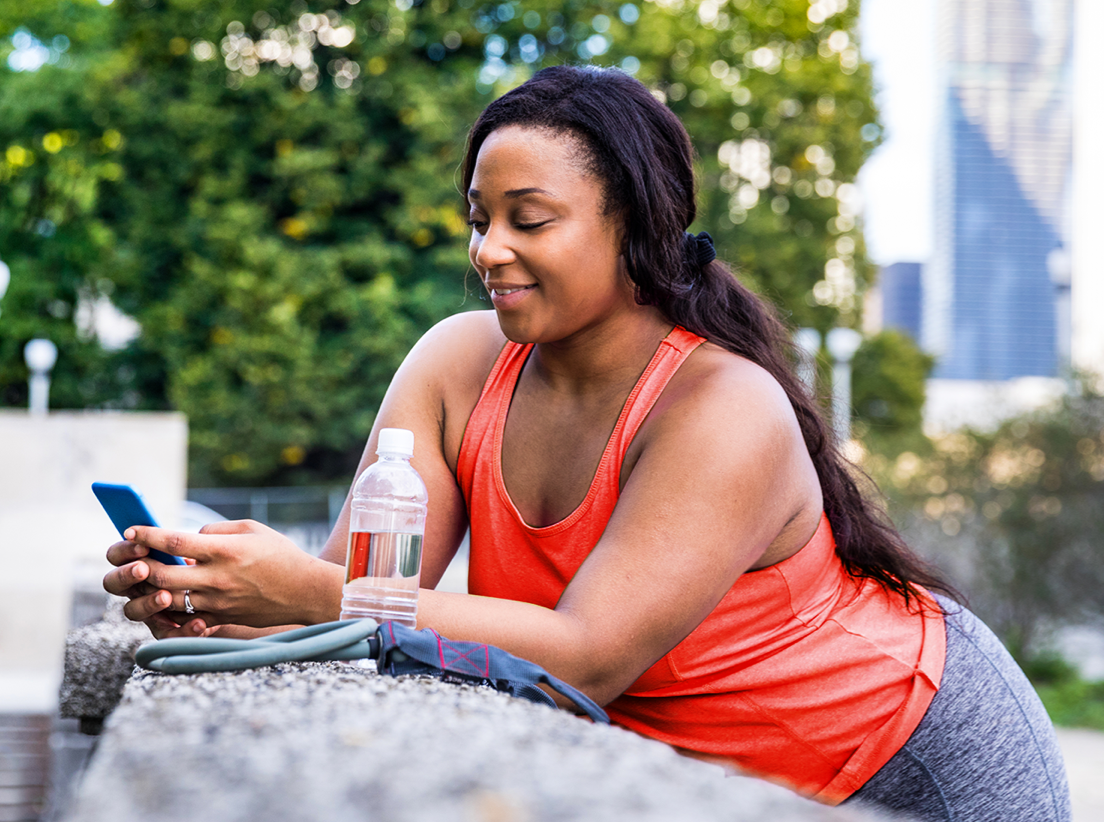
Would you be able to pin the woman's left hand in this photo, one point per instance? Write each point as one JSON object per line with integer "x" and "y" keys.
{"x": 245, "y": 573}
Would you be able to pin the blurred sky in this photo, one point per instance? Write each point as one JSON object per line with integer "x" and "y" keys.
{"x": 898, "y": 36}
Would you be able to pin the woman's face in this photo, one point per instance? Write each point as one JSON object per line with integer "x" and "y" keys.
{"x": 547, "y": 255}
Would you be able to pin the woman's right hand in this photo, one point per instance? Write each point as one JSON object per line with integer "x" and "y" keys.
{"x": 130, "y": 581}
{"x": 242, "y": 573}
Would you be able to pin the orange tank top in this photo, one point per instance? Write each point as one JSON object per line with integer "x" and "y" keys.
{"x": 802, "y": 674}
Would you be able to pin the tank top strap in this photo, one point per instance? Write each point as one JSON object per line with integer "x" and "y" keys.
{"x": 490, "y": 409}
{"x": 672, "y": 353}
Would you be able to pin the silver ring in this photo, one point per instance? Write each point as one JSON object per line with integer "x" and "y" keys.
{"x": 188, "y": 609}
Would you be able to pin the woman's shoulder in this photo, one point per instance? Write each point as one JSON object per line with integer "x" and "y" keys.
{"x": 450, "y": 364}
{"x": 715, "y": 379}
{"x": 727, "y": 407}
{"x": 461, "y": 346}
{"x": 728, "y": 424}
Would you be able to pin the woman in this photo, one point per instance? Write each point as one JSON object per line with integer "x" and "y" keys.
{"x": 657, "y": 513}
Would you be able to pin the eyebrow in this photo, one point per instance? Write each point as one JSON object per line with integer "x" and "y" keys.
{"x": 513, "y": 193}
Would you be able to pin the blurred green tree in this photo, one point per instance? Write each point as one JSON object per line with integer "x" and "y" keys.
{"x": 54, "y": 157}
{"x": 887, "y": 387}
{"x": 1014, "y": 516}
{"x": 271, "y": 194}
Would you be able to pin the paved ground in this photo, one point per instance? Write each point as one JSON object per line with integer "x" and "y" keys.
{"x": 1084, "y": 752}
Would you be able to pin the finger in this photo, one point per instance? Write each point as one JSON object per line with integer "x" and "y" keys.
{"x": 181, "y": 600}
{"x": 140, "y": 590}
{"x": 162, "y": 627}
{"x": 232, "y": 526}
{"x": 142, "y": 608}
{"x": 177, "y": 543}
{"x": 177, "y": 631}
{"x": 189, "y": 625}
{"x": 123, "y": 552}
{"x": 122, "y": 581}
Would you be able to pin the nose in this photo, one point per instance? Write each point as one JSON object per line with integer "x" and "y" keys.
{"x": 491, "y": 249}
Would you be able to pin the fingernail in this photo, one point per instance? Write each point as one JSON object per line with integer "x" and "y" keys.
{"x": 128, "y": 533}
{"x": 197, "y": 628}
{"x": 164, "y": 598}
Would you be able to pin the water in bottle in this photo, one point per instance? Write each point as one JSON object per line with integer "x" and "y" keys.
{"x": 384, "y": 561}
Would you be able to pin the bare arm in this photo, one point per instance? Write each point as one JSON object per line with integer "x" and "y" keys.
{"x": 248, "y": 575}
{"x": 704, "y": 503}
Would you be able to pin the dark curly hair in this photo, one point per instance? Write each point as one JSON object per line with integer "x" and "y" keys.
{"x": 641, "y": 153}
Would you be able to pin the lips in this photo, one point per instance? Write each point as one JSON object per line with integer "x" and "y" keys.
{"x": 505, "y": 297}
{"x": 505, "y": 292}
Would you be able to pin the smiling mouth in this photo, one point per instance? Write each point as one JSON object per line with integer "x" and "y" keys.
{"x": 502, "y": 292}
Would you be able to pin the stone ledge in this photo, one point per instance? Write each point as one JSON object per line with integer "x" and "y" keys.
{"x": 326, "y": 741}
{"x": 99, "y": 659}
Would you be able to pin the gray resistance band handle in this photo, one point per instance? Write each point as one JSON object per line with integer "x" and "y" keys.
{"x": 402, "y": 651}
{"x": 347, "y": 639}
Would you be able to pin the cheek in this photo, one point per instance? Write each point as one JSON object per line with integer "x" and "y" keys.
{"x": 473, "y": 247}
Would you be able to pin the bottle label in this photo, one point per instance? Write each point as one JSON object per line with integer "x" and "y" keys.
{"x": 383, "y": 555}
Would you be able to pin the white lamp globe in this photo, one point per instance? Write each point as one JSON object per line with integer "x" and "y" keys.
{"x": 40, "y": 355}
{"x": 808, "y": 340}
{"x": 843, "y": 343}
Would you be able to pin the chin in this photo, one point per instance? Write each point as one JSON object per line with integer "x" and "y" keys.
{"x": 516, "y": 335}
{"x": 520, "y": 333}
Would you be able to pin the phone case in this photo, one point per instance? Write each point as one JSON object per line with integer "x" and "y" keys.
{"x": 126, "y": 507}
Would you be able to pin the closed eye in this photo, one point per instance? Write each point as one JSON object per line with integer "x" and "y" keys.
{"x": 481, "y": 225}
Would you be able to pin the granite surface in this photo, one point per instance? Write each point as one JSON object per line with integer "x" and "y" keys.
{"x": 99, "y": 659}
{"x": 331, "y": 741}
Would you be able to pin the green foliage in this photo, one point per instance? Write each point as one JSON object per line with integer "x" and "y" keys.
{"x": 270, "y": 192}
{"x": 53, "y": 159}
{"x": 762, "y": 81}
{"x": 887, "y": 389}
{"x": 280, "y": 264}
{"x": 1015, "y": 517}
{"x": 1074, "y": 703}
{"x": 1070, "y": 700}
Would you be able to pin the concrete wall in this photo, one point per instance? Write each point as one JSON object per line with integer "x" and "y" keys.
{"x": 53, "y": 533}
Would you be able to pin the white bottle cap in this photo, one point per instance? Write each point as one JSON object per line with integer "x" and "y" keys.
{"x": 396, "y": 441}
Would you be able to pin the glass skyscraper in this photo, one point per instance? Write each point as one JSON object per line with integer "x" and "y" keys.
{"x": 901, "y": 298}
{"x": 992, "y": 292}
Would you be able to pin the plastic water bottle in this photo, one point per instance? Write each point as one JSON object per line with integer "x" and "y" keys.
{"x": 384, "y": 562}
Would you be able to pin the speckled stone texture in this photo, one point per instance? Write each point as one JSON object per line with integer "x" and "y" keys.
{"x": 99, "y": 659}
{"x": 330, "y": 741}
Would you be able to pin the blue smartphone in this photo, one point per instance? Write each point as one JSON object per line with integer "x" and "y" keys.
{"x": 126, "y": 507}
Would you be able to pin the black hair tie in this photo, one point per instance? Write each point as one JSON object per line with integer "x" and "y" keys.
{"x": 701, "y": 248}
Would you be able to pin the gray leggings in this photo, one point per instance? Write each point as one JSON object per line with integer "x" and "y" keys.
{"x": 985, "y": 749}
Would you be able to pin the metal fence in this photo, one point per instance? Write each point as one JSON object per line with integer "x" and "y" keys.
{"x": 306, "y": 514}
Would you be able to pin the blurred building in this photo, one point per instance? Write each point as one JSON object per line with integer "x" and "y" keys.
{"x": 901, "y": 298}
{"x": 996, "y": 292}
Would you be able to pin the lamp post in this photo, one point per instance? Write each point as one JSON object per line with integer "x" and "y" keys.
{"x": 807, "y": 341}
{"x": 842, "y": 344}
{"x": 40, "y": 356}
{"x": 5, "y": 278}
